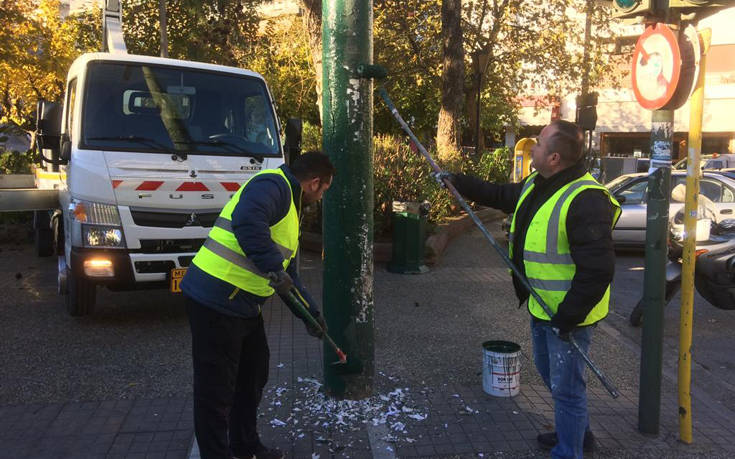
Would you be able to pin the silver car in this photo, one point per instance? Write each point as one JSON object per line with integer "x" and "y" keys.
{"x": 631, "y": 191}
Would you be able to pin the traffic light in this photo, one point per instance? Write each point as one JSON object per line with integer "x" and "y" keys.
{"x": 586, "y": 116}
{"x": 632, "y": 8}
{"x": 691, "y": 5}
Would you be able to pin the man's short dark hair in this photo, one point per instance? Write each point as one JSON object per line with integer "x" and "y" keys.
{"x": 568, "y": 141}
{"x": 313, "y": 164}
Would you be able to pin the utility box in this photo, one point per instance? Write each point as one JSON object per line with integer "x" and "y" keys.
{"x": 409, "y": 235}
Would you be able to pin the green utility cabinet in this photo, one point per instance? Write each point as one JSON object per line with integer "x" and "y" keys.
{"x": 409, "y": 236}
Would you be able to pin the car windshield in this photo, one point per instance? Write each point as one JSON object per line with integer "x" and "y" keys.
{"x": 150, "y": 108}
{"x": 618, "y": 182}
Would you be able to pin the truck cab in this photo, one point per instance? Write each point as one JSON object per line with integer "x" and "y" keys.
{"x": 150, "y": 151}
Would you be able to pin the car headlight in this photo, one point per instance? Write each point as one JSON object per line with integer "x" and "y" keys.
{"x": 102, "y": 236}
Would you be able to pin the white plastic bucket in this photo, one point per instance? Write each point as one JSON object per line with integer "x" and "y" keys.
{"x": 501, "y": 368}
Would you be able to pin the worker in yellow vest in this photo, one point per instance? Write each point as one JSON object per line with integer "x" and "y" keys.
{"x": 247, "y": 256}
{"x": 561, "y": 239}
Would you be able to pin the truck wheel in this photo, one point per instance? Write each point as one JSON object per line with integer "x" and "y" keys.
{"x": 636, "y": 315}
{"x": 81, "y": 295}
{"x": 43, "y": 236}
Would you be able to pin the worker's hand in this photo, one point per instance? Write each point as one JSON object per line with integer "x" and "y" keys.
{"x": 561, "y": 327}
{"x": 315, "y": 331}
{"x": 441, "y": 176}
{"x": 281, "y": 282}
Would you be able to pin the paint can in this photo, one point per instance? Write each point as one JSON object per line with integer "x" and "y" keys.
{"x": 501, "y": 368}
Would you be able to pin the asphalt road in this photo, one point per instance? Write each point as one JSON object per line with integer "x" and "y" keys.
{"x": 137, "y": 344}
{"x": 713, "y": 367}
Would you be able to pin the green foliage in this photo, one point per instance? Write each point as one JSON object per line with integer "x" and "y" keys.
{"x": 406, "y": 37}
{"x": 13, "y": 162}
{"x": 495, "y": 166}
{"x": 283, "y": 58}
{"x": 37, "y": 48}
{"x": 402, "y": 174}
{"x": 216, "y": 31}
{"x": 311, "y": 137}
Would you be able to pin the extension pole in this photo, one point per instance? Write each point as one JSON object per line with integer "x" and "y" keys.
{"x": 603, "y": 379}
{"x": 696, "y": 108}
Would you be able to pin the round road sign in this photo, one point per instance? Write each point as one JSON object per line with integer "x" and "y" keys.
{"x": 656, "y": 67}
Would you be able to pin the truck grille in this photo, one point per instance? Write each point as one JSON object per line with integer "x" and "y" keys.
{"x": 174, "y": 219}
{"x": 170, "y": 245}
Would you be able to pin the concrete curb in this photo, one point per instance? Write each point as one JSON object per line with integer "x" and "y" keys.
{"x": 435, "y": 245}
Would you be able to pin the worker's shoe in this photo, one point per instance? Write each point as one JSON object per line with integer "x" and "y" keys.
{"x": 261, "y": 452}
{"x": 549, "y": 440}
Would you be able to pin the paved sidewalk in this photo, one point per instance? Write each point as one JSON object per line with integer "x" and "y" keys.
{"x": 429, "y": 400}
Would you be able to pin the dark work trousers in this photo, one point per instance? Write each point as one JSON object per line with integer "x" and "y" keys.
{"x": 230, "y": 370}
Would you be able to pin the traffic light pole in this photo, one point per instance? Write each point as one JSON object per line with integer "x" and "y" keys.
{"x": 347, "y": 105}
{"x": 654, "y": 277}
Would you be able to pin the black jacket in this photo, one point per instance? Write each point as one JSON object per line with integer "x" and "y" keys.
{"x": 589, "y": 224}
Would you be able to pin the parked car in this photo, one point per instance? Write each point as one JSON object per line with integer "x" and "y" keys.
{"x": 631, "y": 191}
{"x": 714, "y": 161}
{"x": 714, "y": 272}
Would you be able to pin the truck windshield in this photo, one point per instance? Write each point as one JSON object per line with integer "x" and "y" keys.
{"x": 176, "y": 110}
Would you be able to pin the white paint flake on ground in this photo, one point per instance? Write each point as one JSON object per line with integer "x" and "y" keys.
{"x": 313, "y": 413}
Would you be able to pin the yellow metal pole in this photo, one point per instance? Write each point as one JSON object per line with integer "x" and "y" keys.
{"x": 696, "y": 108}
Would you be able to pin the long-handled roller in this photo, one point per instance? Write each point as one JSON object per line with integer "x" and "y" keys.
{"x": 300, "y": 303}
{"x": 608, "y": 385}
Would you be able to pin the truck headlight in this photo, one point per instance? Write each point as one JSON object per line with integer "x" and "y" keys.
{"x": 95, "y": 213}
{"x": 102, "y": 236}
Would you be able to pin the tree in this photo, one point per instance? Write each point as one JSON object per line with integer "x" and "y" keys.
{"x": 37, "y": 49}
{"x": 284, "y": 58}
{"x": 312, "y": 20}
{"x": 448, "y": 135}
{"x": 406, "y": 43}
{"x": 216, "y": 31}
{"x": 521, "y": 47}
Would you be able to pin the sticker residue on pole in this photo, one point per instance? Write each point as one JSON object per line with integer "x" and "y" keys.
{"x": 661, "y": 146}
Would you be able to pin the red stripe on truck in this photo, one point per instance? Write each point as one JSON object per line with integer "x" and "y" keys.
{"x": 192, "y": 186}
{"x": 149, "y": 185}
{"x": 231, "y": 186}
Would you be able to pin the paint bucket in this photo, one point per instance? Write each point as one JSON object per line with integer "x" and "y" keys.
{"x": 501, "y": 368}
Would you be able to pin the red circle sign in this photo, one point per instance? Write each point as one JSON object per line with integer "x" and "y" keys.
{"x": 656, "y": 67}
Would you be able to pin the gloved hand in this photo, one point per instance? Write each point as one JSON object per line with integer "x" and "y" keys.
{"x": 441, "y": 176}
{"x": 281, "y": 282}
{"x": 562, "y": 327}
{"x": 314, "y": 331}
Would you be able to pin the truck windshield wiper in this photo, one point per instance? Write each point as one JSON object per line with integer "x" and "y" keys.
{"x": 229, "y": 146}
{"x": 148, "y": 142}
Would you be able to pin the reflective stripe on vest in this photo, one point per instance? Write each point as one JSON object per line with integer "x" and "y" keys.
{"x": 222, "y": 257}
{"x": 546, "y": 256}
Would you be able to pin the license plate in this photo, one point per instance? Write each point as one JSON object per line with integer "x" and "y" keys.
{"x": 176, "y": 275}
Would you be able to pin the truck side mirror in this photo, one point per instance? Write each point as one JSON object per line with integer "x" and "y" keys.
{"x": 65, "y": 148}
{"x": 292, "y": 145}
{"x": 48, "y": 129}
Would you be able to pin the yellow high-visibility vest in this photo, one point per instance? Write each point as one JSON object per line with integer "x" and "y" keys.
{"x": 546, "y": 255}
{"x": 221, "y": 256}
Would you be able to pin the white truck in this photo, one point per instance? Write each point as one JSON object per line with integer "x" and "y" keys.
{"x": 139, "y": 159}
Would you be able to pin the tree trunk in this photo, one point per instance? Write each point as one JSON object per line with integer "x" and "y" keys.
{"x": 448, "y": 135}
{"x": 479, "y": 65}
{"x": 312, "y": 18}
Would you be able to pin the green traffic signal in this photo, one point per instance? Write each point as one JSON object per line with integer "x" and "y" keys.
{"x": 625, "y": 4}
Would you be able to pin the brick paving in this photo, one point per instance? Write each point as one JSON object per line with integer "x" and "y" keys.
{"x": 441, "y": 377}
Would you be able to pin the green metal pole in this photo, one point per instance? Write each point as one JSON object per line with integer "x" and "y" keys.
{"x": 654, "y": 276}
{"x": 347, "y": 105}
